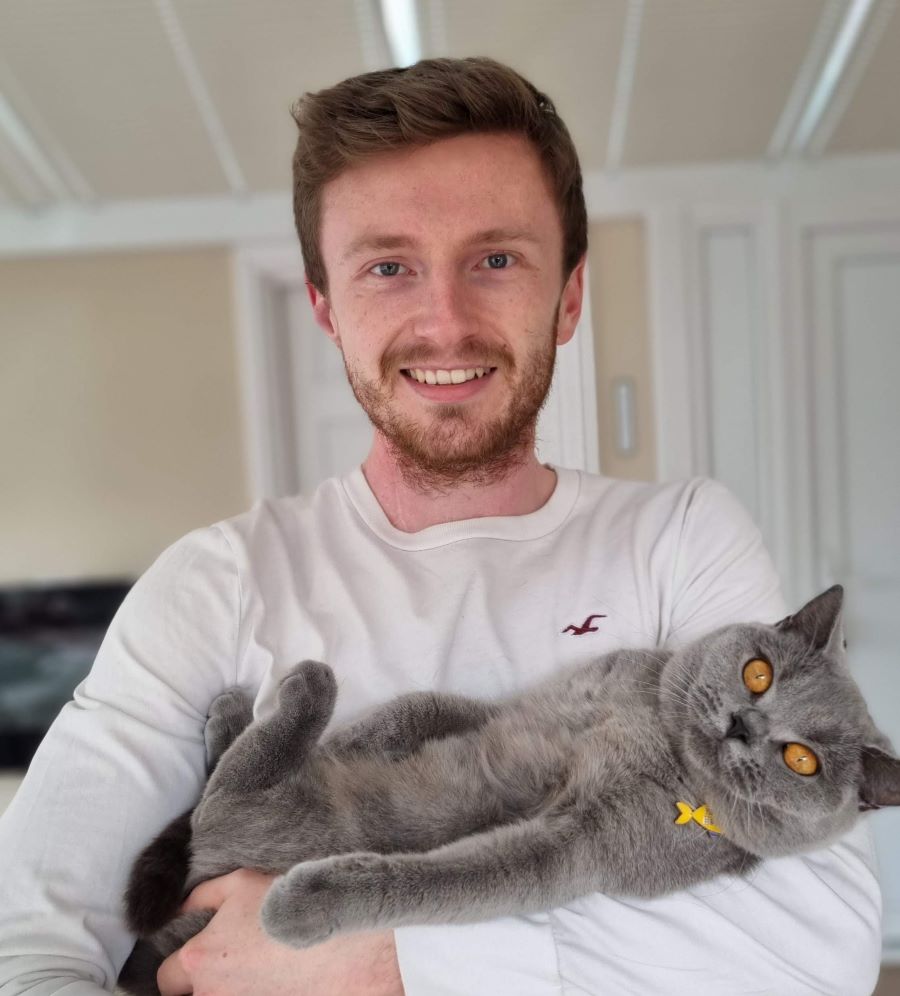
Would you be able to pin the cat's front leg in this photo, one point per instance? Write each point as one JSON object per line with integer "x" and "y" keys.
{"x": 518, "y": 868}
{"x": 316, "y": 899}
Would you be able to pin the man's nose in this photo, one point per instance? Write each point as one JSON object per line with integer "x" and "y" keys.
{"x": 445, "y": 314}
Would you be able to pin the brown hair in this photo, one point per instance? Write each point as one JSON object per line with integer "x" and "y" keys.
{"x": 435, "y": 98}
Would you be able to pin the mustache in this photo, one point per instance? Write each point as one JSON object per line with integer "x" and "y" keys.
{"x": 471, "y": 352}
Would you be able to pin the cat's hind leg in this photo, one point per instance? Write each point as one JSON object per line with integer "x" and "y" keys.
{"x": 157, "y": 879}
{"x": 402, "y": 725}
{"x": 269, "y": 748}
{"x": 229, "y": 715}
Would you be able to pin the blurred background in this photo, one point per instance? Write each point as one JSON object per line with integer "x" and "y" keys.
{"x": 159, "y": 368}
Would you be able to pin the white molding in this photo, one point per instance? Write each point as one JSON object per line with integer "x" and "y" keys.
{"x": 670, "y": 336}
{"x": 146, "y": 224}
{"x": 258, "y": 272}
{"x": 832, "y": 78}
{"x": 567, "y": 426}
{"x": 400, "y": 21}
{"x": 203, "y": 101}
{"x": 759, "y": 226}
{"x": 74, "y": 184}
{"x": 805, "y": 80}
{"x": 865, "y": 44}
{"x": 634, "y": 191}
{"x": 873, "y": 181}
{"x": 41, "y": 171}
{"x": 587, "y": 380}
{"x": 827, "y": 249}
{"x": 618, "y": 126}
{"x": 774, "y": 290}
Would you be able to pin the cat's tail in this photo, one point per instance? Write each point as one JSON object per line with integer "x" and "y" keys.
{"x": 156, "y": 885}
{"x": 138, "y": 975}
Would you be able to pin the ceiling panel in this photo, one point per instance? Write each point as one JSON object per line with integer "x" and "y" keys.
{"x": 258, "y": 58}
{"x": 871, "y": 121}
{"x": 569, "y": 49}
{"x": 98, "y": 82}
{"x": 103, "y": 77}
{"x": 713, "y": 77}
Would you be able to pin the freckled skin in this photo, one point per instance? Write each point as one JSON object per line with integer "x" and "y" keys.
{"x": 439, "y": 809}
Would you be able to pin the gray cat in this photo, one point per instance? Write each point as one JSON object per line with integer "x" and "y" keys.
{"x": 638, "y": 774}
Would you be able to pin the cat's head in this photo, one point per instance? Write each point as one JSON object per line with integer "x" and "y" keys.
{"x": 774, "y": 732}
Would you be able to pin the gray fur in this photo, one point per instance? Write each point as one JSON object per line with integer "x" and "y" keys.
{"x": 440, "y": 809}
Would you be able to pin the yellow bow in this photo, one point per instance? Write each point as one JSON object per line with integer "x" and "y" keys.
{"x": 699, "y": 815}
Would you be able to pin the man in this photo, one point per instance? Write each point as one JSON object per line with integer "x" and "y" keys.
{"x": 442, "y": 222}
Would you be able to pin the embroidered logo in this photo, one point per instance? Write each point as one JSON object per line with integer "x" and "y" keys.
{"x": 585, "y": 627}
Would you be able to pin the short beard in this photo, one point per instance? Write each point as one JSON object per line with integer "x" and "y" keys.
{"x": 454, "y": 448}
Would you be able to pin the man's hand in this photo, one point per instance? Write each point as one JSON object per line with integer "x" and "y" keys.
{"x": 234, "y": 956}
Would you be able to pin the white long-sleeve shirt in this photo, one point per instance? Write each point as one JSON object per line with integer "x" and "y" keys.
{"x": 479, "y": 607}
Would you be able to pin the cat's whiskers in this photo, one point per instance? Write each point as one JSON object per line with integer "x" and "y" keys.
{"x": 678, "y": 696}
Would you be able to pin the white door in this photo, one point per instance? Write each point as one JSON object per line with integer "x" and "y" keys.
{"x": 854, "y": 344}
{"x": 332, "y": 434}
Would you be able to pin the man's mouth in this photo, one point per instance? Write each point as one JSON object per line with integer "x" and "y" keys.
{"x": 455, "y": 375}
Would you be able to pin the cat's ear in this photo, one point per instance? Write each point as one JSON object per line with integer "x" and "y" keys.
{"x": 881, "y": 780}
{"x": 820, "y": 622}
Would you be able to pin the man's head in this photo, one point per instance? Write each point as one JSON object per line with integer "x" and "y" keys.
{"x": 443, "y": 233}
{"x": 344, "y": 125}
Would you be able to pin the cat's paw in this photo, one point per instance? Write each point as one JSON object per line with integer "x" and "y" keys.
{"x": 229, "y": 715}
{"x": 234, "y": 706}
{"x": 311, "y": 686}
{"x": 316, "y": 899}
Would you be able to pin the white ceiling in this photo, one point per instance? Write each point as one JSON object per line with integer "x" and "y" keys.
{"x": 111, "y": 100}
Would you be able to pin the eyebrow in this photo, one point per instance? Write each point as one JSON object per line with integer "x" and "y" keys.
{"x": 377, "y": 242}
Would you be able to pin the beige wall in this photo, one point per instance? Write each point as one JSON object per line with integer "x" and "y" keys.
{"x": 119, "y": 415}
{"x": 618, "y": 275}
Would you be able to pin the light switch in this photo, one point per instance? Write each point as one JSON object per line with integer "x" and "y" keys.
{"x": 625, "y": 416}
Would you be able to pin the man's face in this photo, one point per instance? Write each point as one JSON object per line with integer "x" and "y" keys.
{"x": 446, "y": 299}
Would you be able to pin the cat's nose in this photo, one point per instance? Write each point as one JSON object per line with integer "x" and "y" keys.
{"x": 738, "y": 729}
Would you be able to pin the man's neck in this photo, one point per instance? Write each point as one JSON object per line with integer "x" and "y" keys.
{"x": 524, "y": 488}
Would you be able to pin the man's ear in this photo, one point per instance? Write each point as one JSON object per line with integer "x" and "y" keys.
{"x": 570, "y": 304}
{"x": 322, "y": 312}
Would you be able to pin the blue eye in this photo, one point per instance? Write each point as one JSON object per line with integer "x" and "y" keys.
{"x": 498, "y": 260}
{"x": 392, "y": 269}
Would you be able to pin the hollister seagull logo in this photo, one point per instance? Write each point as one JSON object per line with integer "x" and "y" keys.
{"x": 585, "y": 627}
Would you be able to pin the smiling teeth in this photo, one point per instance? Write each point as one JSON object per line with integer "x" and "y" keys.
{"x": 458, "y": 376}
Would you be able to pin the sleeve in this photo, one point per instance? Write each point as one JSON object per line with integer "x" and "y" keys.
{"x": 121, "y": 759}
{"x": 721, "y": 570}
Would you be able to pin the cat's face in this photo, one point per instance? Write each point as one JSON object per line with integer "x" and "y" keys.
{"x": 774, "y": 731}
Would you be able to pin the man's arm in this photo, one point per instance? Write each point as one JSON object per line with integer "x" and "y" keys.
{"x": 233, "y": 955}
{"x": 120, "y": 760}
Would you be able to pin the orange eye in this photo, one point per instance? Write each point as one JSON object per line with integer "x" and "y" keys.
{"x": 757, "y": 675}
{"x": 801, "y": 759}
